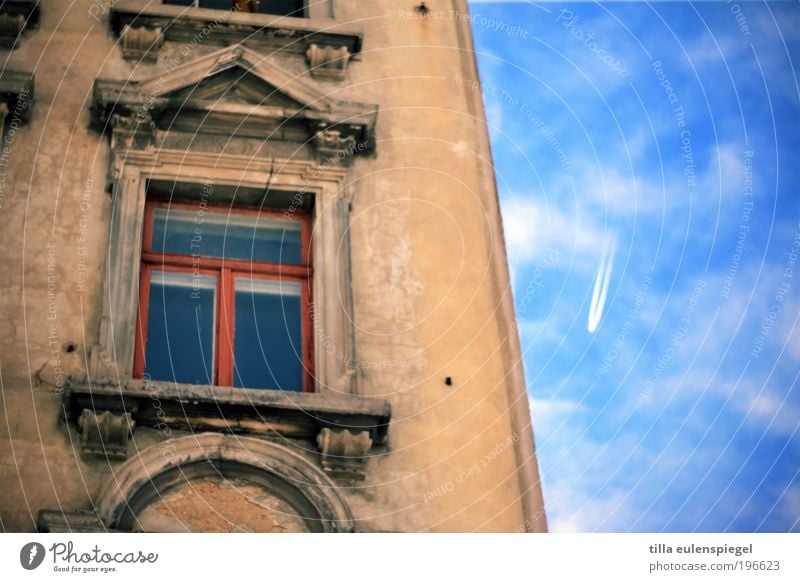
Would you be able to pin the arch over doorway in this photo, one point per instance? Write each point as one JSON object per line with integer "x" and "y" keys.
{"x": 146, "y": 478}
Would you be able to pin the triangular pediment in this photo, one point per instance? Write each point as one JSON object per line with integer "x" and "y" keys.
{"x": 244, "y": 75}
{"x": 237, "y": 85}
{"x": 237, "y": 92}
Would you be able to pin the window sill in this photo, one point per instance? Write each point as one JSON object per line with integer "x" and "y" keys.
{"x": 287, "y": 33}
{"x": 215, "y": 408}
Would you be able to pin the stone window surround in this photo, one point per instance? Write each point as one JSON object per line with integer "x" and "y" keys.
{"x": 113, "y": 357}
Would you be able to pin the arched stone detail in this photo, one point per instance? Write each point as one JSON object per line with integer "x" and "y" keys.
{"x": 156, "y": 470}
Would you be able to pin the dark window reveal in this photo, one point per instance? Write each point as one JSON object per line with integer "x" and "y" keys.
{"x": 294, "y": 8}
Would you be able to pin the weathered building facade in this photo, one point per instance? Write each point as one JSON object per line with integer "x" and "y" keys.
{"x": 253, "y": 273}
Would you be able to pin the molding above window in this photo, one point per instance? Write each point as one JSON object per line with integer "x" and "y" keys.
{"x": 260, "y": 31}
{"x": 15, "y": 17}
{"x": 257, "y": 99}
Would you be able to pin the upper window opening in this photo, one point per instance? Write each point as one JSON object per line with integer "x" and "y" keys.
{"x": 225, "y": 297}
{"x": 295, "y": 8}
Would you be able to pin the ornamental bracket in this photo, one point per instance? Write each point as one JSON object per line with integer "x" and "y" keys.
{"x": 344, "y": 453}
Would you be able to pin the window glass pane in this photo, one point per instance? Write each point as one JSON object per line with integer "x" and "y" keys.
{"x": 217, "y": 4}
{"x": 232, "y": 236}
{"x": 181, "y": 2}
{"x": 180, "y": 327}
{"x": 268, "y": 351}
{"x": 282, "y": 7}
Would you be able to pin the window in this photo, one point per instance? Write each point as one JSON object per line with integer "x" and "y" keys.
{"x": 225, "y": 297}
{"x": 294, "y": 8}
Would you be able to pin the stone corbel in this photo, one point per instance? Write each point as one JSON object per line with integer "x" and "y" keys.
{"x": 135, "y": 132}
{"x": 327, "y": 62}
{"x": 344, "y": 453}
{"x": 105, "y": 434}
{"x": 141, "y": 44}
{"x": 15, "y": 17}
{"x": 334, "y": 145}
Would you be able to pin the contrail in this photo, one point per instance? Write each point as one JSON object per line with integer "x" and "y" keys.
{"x": 601, "y": 281}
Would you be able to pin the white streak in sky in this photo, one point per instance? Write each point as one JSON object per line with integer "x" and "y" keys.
{"x": 601, "y": 281}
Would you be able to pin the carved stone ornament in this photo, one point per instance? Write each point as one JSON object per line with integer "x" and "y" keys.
{"x": 132, "y": 133}
{"x": 105, "y": 434}
{"x": 141, "y": 44}
{"x": 332, "y": 144}
{"x": 344, "y": 453}
{"x": 327, "y": 62}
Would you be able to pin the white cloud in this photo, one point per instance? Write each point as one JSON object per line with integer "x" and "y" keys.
{"x": 535, "y": 229}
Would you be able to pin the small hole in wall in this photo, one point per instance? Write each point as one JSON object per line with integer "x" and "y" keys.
{"x": 448, "y": 381}
{"x": 69, "y": 347}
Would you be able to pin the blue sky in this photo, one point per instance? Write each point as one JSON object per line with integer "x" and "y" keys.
{"x": 657, "y": 144}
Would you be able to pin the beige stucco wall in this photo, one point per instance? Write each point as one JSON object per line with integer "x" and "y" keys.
{"x": 428, "y": 277}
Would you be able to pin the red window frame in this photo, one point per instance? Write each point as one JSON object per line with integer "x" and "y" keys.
{"x": 226, "y": 270}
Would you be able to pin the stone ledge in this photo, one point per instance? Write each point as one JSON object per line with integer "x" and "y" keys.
{"x": 259, "y": 30}
{"x": 232, "y": 410}
{"x": 81, "y": 521}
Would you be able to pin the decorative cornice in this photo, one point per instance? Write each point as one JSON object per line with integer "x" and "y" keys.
{"x": 223, "y": 28}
